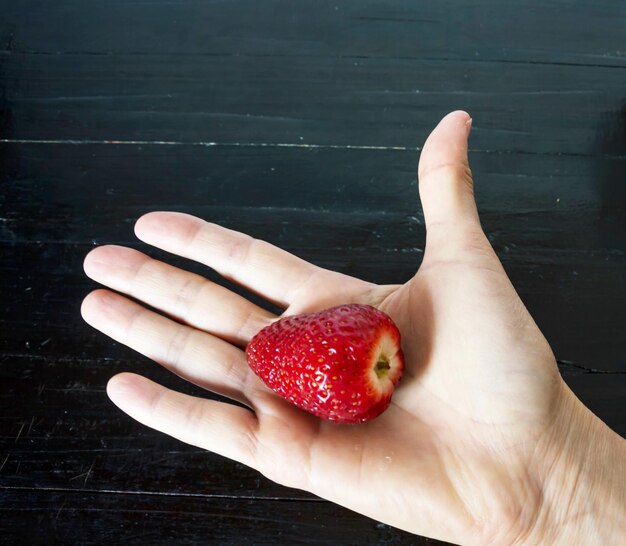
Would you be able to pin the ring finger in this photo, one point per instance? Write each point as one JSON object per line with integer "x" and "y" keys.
{"x": 196, "y": 356}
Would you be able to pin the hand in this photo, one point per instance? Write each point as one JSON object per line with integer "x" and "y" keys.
{"x": 471, "y": 449}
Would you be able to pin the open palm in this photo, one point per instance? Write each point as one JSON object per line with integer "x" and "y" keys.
{"x": 454, "y": 455}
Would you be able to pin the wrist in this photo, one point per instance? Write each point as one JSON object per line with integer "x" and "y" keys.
{"x": 581, "y": 464}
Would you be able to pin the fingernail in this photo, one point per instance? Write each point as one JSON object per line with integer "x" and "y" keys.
{"x": 468, "y": 125}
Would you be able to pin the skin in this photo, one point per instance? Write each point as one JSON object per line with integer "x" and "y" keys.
{"x": 483, "y": 442}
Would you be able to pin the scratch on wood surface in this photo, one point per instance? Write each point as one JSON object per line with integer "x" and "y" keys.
{"x": 173, "y": 494}
{"x": 210, "y": 144}
{"x": 297, "y": 145}
{"x": 4, "y": 462}
{"x": 85, "y": 475}
{"x": 599, "y": 58}
{"x": 32, "y": 422}
{"x": 393, "y": 19}
{"x": 20, "y": 432}
{"x": 577, "y": 369}
{"x": 60, "y": 510}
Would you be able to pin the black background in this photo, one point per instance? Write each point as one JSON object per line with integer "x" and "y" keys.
{"x": 298, "y": 122}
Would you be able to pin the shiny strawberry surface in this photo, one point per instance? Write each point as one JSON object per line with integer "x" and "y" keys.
{"x": 340, "y": 364}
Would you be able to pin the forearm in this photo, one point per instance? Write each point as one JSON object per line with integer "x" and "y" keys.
{"x": 584, "y": 473}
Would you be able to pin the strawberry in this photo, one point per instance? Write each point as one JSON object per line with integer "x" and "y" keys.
{"x": 340, "y": 364}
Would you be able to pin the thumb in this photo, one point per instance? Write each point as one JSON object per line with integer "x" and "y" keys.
{"x": 445, "y": 180}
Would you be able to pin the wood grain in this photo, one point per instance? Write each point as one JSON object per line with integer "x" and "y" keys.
{"x": 299, "y": 123}
{"x": 369, "y": 102}
{"x": 91, "y": 518}
{"x": 555, "y": 221}
{"x": 530, "y": 31}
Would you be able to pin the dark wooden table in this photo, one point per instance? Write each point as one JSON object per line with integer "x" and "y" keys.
{"x": 300, "y": 123}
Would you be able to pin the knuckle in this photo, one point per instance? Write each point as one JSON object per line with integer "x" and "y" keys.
{"x": 240, "y": 250}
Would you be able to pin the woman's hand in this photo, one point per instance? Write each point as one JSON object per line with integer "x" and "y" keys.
{"x": 482, "y": 436}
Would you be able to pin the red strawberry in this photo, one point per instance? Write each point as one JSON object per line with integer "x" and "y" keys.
{"x": 340, "y": 364}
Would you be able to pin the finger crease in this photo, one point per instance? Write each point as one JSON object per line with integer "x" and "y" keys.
{"x": 177, "y": 345}
{"x": 240, "y": 251}
{"x": 454, "y": 167}
{"x": 187, "y": 297}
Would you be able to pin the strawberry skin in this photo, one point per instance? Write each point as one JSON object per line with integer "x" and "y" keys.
{"x": 340, "y": 364}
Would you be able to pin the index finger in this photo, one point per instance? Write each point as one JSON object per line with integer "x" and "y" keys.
{"x": 261, "y": 267}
